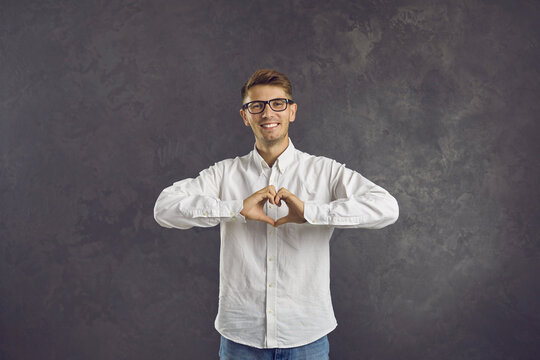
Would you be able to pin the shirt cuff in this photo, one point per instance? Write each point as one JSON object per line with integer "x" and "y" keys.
{"x": 322, "y": 214}
{"x": 315, "y": 214}
{"x": 229, "y": 210}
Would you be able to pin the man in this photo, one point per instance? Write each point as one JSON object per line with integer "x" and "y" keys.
{"x": 277, "y": 208}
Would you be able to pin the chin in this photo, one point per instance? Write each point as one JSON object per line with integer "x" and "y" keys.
{"x": 274, "y": 141}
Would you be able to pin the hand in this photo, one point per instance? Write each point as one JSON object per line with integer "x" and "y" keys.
{"x": 295, "y": 205}
{"x": 253, "y": 205}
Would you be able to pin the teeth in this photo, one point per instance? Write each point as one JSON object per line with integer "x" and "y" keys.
{"x": 269, "y": 125}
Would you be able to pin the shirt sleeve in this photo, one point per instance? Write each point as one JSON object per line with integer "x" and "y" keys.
{"x": 196, "y": 202}
{"x": 358, "y": 203}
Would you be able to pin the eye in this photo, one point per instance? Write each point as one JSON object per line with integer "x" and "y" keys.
{"x": 278, "y": 104}
{"x": 255, "y": 106}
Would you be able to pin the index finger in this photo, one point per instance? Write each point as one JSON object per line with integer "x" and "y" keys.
{"x": 271, "y": 189}
{"x": 283, "y": 193}
{"x": 270, "y": 198}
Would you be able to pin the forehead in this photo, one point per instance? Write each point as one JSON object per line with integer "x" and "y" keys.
{"x": 265, "y": 92}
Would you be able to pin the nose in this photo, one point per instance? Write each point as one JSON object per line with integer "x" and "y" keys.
{"x": 267, "y": 111}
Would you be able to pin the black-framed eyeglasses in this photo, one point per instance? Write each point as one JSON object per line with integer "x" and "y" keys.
{"x": 257, "y": 107}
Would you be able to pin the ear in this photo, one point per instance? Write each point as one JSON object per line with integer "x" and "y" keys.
{"x": 244, "y": 117}
{"x": 292, "y": 113}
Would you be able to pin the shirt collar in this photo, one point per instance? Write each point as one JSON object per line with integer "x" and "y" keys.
{"x": 286, "y": 158}
{"x": 282, "y": 162}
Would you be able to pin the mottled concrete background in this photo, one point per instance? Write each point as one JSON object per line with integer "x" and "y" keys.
{"x": 105, "y": 103}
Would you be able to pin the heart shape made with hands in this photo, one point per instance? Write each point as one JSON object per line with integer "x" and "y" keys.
{"x": 253, "y": 206}
{"x": 296, "y": 210}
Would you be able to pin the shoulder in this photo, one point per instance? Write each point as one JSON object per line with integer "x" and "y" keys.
{"x": 235, "y": 163}
{"x": 239, "y": 160}
{"x": 316, "y": 160}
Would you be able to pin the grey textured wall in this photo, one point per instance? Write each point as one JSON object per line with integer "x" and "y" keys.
{"x": 105, "y": 103}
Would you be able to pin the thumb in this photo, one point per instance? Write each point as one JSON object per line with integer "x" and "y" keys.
{"x": 267, "y": 219}
{"x": 283, "y": 220}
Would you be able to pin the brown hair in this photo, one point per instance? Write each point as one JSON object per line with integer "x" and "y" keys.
{"x": 267, "y": 77}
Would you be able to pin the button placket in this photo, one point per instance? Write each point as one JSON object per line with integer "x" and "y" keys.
{"x": 271, "y": 288}
{"x": 271, "y": 273}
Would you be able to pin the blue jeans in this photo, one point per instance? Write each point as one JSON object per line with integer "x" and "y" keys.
{"x": 317, "y": 350}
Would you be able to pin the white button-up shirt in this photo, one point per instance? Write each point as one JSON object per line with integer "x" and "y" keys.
{"x": 275, "y": 282}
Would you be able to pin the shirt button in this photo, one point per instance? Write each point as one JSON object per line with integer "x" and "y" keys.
{"x": 270, "y": 311}
{"x": 205, "y": 213}
{"x": 271, "y": 285}
{"x": 272, "y": 232}
{"x": 233, "y": 218}
{"x": 270, "y": 259}
{"x": 271, "y": 206}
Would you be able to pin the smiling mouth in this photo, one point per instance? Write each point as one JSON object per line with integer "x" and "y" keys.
{"x": 270, "y": 126}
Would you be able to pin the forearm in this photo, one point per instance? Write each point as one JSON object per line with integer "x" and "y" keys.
{"x": 183, "y": 211}
{"x": 196, "y": 202}
{"x": 372, "y": 210}
{"x": 356, "y": 202}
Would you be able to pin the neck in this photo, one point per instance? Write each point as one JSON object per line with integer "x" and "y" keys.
{"x": 270, "y": 152}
